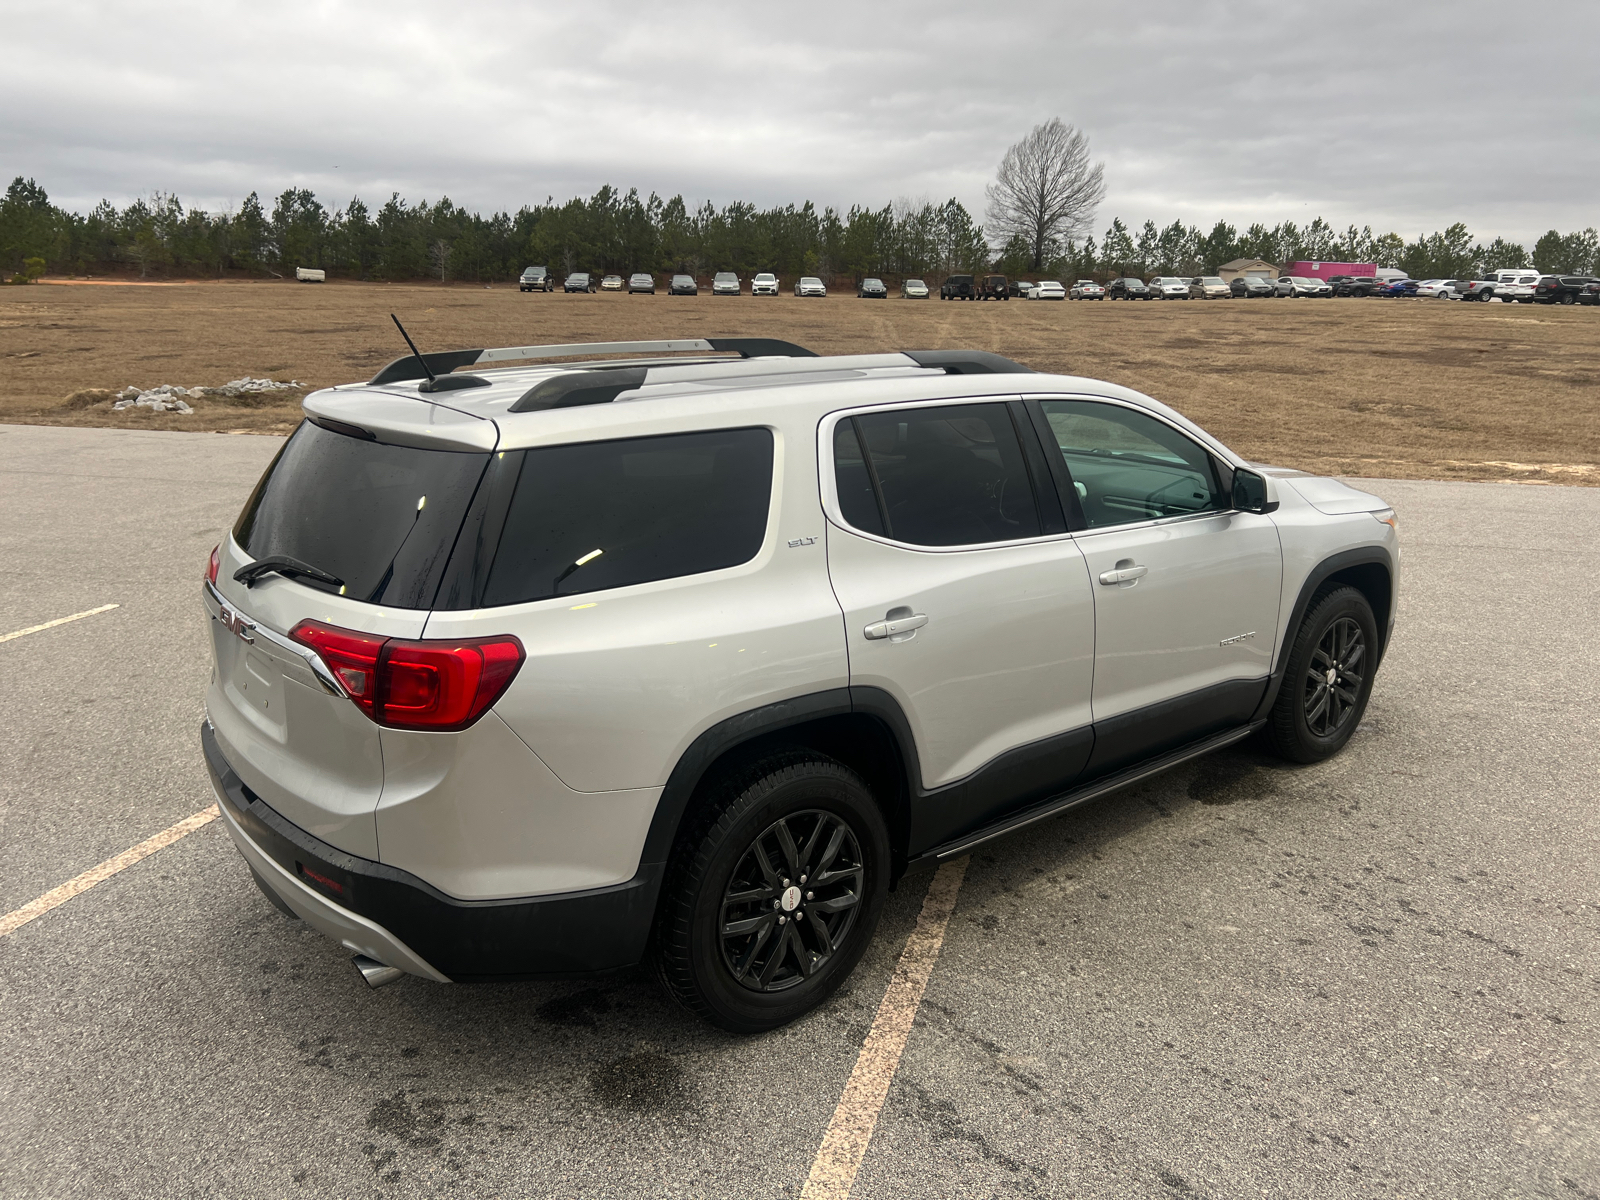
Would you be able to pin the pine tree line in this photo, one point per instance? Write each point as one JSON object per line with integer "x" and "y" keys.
{"x": 613, "y": 231}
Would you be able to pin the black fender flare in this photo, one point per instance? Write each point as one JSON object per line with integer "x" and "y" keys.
{"x": 1361, "y": 556}
{"x": 766, "y": 722}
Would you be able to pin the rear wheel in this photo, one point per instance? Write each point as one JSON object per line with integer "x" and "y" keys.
{"x": 773, "y": 895}
{"x": 1328, "y": 679}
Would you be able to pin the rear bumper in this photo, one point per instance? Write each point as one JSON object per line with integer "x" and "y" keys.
{"x": 394, "y": 917}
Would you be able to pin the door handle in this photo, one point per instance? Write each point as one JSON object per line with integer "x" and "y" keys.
{"x": 1124, "y": 574}
{"x": 883, "y": 629}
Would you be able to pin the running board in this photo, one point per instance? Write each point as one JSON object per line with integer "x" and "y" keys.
{"x": 1091, "y": 791}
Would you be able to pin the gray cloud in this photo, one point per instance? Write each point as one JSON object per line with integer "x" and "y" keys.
{"x": 1407, "y": 116}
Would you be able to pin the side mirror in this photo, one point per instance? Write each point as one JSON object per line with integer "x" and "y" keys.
{"x": 1253, "y": 492}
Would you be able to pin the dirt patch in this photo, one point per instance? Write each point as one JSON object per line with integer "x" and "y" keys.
{"x": 1356, "y": 387}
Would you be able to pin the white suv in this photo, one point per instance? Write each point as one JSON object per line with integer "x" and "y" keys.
{"x": 539, "y": 671}
{"x": 764, "y": 284}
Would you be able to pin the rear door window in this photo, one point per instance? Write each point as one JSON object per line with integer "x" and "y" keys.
{"x": 945, "y": 475}
{"x": 379, "y": 518}
{"x": 599, "y": 515}
{"x": 1128, "y": 467}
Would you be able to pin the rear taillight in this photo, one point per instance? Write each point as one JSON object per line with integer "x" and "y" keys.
{"x": 215, "y": 563}
{"x": 434, "y": 685}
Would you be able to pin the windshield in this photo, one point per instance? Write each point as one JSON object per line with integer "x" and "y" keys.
{"x": 915, "y": 283}
{"x": 810, "y": 279}
{"x": 380, "y": 518}
{"x": 726, "y": 277}
{"x": 765, "y": 278}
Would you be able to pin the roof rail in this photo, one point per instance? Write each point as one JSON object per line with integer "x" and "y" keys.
{"x": 967, "y": 362}
{"x": 444, "y": 361}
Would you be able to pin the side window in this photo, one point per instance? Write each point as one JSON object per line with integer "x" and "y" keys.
{"x": 945, "y": 475}
{"x": 598, "y": 515}
{"x": 1128, "y": 467}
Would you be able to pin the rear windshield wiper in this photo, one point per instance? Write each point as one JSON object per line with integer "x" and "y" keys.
{"x": 286, "y": 566}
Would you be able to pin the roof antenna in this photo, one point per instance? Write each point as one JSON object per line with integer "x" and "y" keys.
{"x": 436, "y": 383}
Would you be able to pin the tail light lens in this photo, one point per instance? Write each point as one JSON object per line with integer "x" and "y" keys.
{"x": 434, "y": 685}
{"x": 215, "y": 564}
{"x": 353, "y": 657}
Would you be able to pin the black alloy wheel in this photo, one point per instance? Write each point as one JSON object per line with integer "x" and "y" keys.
{"x": 773, "y": 891}
{"x": 791, "y": 901}
{"x": 1334, "y": 678}
{"x": 1328, "y": 678}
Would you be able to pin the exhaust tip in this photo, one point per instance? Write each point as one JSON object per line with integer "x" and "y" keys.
{"x": 374, "y": 972}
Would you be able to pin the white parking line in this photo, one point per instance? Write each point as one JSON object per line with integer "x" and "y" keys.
{"x": 833, "y": 1172}
{"x": 56, "y": 897}
{"x": 6, "y": 637}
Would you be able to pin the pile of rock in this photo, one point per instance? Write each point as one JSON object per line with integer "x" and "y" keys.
{"x": 168, "y": 397}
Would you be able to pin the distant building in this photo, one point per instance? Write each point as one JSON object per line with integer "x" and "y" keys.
{"x": 1327, "y": 270}
{"x": 1241, "y": 268}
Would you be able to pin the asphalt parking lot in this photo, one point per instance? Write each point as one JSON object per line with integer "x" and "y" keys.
{"x": 1376, "y": 977}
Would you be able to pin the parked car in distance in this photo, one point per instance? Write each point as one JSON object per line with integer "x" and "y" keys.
{"x": 1019, "y": 288}
{"x": 1354, "y": 285}
{"x": 958, "y": 287}
{"x": 1252, "y": 285}
{"x": 994, "y": 288}
{"x": 809, "y": 285}
{"x": 576, "y": 782}
{"x": 1210, "y": 287}
{"x": 683, "y": 285}
{"x": 1086, "y": 289}
{"x": 1517, "y": 285}
{"x": 611, "y": 283}
{"x": 578, "y": 281}
{"x": 1300, "y": 285}
{"x": 872, "y": 289}
{"x": 1398, "y": 288}
{"x": 641, "y": 283}
{"x": 1127, "y": 289}
{"x": 1590, "y": 293}
{"x": 1169, "y": 287}
{"x": 1047, "y": 289}
{"x": 913, "y": 289}
{"x": 764, "y": 284}
{"x": 725, "y": 283}
{"x": 1439, "y": 289}
{"x": 1479, "y": 289}
{"x": 1562, "y": 289}
{"x": 536, "y": 279}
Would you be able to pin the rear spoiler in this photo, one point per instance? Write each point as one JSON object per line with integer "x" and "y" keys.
{"x": 442, "y": 362}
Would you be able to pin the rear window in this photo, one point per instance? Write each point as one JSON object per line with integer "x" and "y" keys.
{"x": 599, "y": 515}
{"x": 946, "y": 475}
{"x": 381, "y": 519}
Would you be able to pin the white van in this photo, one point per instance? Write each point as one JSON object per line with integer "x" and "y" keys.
{"x": 307, "y": 275}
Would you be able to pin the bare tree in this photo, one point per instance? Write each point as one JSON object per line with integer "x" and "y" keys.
{"x": 439, "y": 255}
{"x": 1046, "y": 190}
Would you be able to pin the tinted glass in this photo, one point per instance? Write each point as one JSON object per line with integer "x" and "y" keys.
{"x": 380, "y": 518}
{"x": 1127, "y": 466}
{"x": 951, "y": 475}
{"x": 607, "y": 514}
{"x": 857, "y": 501}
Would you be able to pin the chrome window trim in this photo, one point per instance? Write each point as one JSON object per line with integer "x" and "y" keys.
{"x": 827, "y": 477}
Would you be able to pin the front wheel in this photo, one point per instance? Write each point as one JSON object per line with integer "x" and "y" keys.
{"x": 773, "y": 895}
{"x": 1328, "y": 679}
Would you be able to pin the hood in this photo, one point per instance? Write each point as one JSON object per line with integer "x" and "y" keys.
{"x": 1332, "y": 497}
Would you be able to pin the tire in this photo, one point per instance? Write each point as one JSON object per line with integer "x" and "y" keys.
{"x": 1312, "y": 720}
{"x": 1566, "y": 298}
{"x": 768, "y": 974}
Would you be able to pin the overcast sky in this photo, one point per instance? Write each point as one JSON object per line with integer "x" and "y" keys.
{"x": 1406, "y": 115}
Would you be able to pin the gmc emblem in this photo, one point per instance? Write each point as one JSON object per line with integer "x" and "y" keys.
{"x": 237, "y": 625}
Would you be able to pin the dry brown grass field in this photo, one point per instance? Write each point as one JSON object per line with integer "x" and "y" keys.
{"x": 1423, "y": 389}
